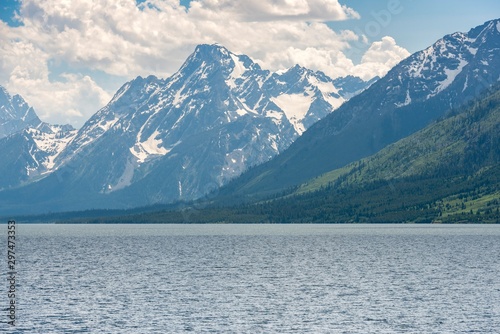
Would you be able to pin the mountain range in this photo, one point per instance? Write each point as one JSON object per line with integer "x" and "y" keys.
{"x": 416, "y": 92}
{"x": 162, "y": 140}
{"x": 180, "y": 138}
{"x": 447, "y": 172}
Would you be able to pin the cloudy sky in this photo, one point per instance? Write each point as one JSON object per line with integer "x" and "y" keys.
{"x": 67, "y": 58}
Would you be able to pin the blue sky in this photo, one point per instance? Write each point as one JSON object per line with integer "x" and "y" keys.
{"x": 67, "y": 58}
{"x": 7, "y": 8}
{"x": 421, "y": 22}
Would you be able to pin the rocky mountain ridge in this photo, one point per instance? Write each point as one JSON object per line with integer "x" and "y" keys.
{"x": 161, "y": 140}
{"x": 417, "y": 91}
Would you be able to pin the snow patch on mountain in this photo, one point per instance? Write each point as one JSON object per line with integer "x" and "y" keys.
{"x": 407, "y": 100}
{"x": 275, "y": 116}
{"x": 106, "y": 125}
{"x": 295, "y": 107}
{"x": 472, "y": 50}
{"x": 329, "y": 92}
{"x": 179, "y": 97}
{"x": 238, "y": 71}
{"x": 450, "y": 74}
{"x": 125, "y": 179}
{"x": 52, "y": 142}
{"x": 234, "y": 165}
{"x": 151, "y": 147}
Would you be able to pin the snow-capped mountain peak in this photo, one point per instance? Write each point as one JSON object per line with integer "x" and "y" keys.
{"x": 183, "y": 136}
{"x": 15, "y": 114}
{"x": 455, "y": 59}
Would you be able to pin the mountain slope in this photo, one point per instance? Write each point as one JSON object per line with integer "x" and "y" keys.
{"x": 415, "y": 92}
{"x": 161, "y": 140}
{"x": 439, "y": 173}
{"x": 446, "y": 172}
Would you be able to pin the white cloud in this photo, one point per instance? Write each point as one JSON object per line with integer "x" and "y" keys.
{"x": 380, "y": 58}
{"x": 72, "y": 99}
{"x": 121, "y": 39}
{"x": 333, "y": 63}
{"x": 309, "y": 10}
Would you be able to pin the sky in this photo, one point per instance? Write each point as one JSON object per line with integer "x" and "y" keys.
{"x": 68, "y": 58}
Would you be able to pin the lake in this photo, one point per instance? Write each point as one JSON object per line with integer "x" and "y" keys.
{"x": 257, "y": 278}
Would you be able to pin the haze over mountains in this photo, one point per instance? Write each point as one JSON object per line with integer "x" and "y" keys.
{"x": 158, "y": 140}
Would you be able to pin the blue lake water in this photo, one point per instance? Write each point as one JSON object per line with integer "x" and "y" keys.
{"x": 257, "y": 279}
